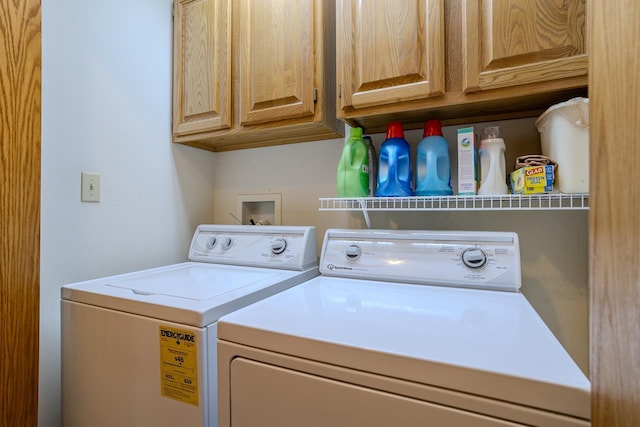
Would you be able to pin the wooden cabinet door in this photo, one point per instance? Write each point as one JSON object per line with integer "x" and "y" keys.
{"x": 515, "y": 42}
{"x": 389, "y": 51}
{"x": 20, "y": 213}
{"x": 276, "y": 59}
{"x": 202, "y": 66}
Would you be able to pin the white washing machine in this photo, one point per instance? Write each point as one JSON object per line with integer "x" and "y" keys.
{"x": 139, "y": 349}
{"x": 402, "y": 328}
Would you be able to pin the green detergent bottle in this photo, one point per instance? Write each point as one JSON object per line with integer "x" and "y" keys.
{"x": 353, "y": 169}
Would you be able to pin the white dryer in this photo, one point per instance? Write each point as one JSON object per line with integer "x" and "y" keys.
{"x": 139, "y": 349}
{"x": 402, "y": 328}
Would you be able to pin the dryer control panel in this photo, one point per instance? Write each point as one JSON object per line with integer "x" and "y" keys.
{"x": 256, "y": 246}
{"x": 483, "y": 260}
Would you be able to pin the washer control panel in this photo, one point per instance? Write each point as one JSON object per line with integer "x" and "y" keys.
{"x": 258, "y": 246}
{"x": 484, "y": 260}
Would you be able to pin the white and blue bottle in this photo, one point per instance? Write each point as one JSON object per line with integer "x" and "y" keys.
{"x": 433, "y": 167}
{"x": 493, "y": 174}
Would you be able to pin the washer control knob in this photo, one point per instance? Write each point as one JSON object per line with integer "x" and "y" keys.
{"x": 212, "y": 242}
{"x": 474, "y": 258}
{"x": 278, "y": 246}
{"x": 226, "y": 243}
{"x": 353, "y": 252}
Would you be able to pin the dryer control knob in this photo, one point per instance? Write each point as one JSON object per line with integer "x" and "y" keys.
{"x": 474, "y": 258}
{"x": 226, "y": 243}
{"x": 278, "y": 246}
{"x": 353, "y": 252}
{"x": 212, "y": 242}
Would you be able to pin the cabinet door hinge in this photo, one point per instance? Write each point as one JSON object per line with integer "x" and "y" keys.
{"x": 340, "y": 90}
{"x": 315, "y": 94}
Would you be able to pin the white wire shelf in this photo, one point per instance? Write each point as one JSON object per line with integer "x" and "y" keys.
{"x": 548, "y": 201}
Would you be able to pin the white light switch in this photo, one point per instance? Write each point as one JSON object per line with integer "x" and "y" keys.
{"x": 90, "y": 187}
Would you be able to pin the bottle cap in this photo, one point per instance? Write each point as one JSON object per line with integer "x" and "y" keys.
{"x": 491, "y": 132}
{"x": 357, "y": 132}
{"x": 432, "y": 128}
{"x": 395, "y": 130}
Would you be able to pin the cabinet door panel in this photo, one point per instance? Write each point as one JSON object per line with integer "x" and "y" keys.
{"x": 276, "y": 59}
{"x": 202, "y": 64}
{"x": 515, "y": 42}
{"x": 389, "y": 51}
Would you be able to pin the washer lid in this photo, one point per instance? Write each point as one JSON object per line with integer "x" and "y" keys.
{"x": 192, "y": 282}
{"x": 190, "y": 293}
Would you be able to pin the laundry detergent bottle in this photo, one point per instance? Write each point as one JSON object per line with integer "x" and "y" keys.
{"x": 493, "y": 174}
{"x": 394, "y": 164}
{"x": 433, "y": 167}
{"x": 353, "y": 169}
{"x": 373, "y": 165}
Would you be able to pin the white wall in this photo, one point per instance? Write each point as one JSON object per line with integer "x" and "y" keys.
{"x": 106, "y": 108}
{"x": 553, "y": 243}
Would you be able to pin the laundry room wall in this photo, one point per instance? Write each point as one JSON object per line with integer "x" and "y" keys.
{"x": 106, "y": 108}
{"x": 553, "y": 243}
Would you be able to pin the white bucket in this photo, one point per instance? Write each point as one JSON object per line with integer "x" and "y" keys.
{"x": 564, "y": 135}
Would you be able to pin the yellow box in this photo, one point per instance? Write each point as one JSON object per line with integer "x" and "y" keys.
{"x": 532, "y": 180}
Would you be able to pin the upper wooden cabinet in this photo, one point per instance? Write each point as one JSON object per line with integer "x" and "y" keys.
{"x": 389, "y": 51}
{"x": 457, "y": 60}
{"x": 202, "y": 66}
{"x": 250, "y": 73}
{"x": 516, "y": 42}
{"x": 275, "y": 60}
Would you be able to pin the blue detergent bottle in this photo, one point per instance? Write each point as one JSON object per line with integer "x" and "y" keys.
{"x": 394, "y": 165}
{"x": 433, "y": 167}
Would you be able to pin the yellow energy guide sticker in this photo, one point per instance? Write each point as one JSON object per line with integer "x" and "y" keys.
{"x": 179, "y": 365}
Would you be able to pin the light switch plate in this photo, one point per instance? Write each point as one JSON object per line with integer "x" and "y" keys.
{"x": 90, "y": 187}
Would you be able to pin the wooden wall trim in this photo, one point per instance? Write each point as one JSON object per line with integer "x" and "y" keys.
{"x": 614, "y": 216}
{"x": 20, "y": 135}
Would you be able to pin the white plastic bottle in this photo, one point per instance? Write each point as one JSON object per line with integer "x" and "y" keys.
{"x": 493, "y": 174}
